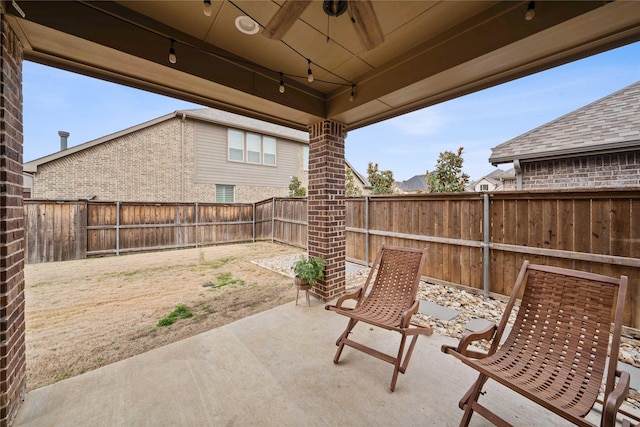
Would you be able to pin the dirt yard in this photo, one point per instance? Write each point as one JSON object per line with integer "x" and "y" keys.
{"x": 81, "y": 315}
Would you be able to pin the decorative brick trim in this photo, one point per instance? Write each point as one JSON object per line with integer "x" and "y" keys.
{"x": 12, "y": 326}
{"x": 326, "y": 208}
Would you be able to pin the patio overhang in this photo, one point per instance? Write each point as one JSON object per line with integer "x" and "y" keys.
{"x": 432, "y": 51}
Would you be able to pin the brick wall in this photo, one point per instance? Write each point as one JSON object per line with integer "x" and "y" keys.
{"x": 326, "y": 208}
{"x": 12, "y": 326}
{"x": 601, "y": 171}
{"x": 148, "y": 165}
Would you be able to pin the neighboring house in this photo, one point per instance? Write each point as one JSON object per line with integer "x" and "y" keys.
{"x": 498, "y": 180}
{"x": 596, "y": 146}
{"x": 200, "y": 155}
{"x": 359, "y": 180}
{"x": 414, "y": 185}
{"x": 27, "y": 183}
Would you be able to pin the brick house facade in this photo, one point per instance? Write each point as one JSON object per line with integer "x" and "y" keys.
{"x": 180, "y": 157}
{"x": 597, "y": 146}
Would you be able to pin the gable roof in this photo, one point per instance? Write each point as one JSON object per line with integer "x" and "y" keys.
{"x": 415, "y": 183}
{"x": 609, "y": 124}
{"x": 202, "y": 114}
{"x": 495, "y": 177}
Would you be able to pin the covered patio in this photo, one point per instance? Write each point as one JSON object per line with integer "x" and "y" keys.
{"x": 275, "y": 369}
{"x": 323, "y": 67}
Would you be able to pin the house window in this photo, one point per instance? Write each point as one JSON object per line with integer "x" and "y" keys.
{"x": 269, "y": 148}
{"x": 484, "y": 187}
{"x": 225, "y": 193}
{"x": 254, "y": 152}
{"x": 305, "y": 158}
{"x": 236, "y": 145}
{"x": 251, "y": 148}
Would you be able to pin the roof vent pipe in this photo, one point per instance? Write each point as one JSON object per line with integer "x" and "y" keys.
{"x": 63, "y": 139}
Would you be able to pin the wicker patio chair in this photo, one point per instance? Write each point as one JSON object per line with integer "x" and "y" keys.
{"x": 388, "y": 301}
{"x": 556, "y": 352}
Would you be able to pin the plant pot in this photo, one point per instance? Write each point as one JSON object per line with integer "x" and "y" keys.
{"x": 302, "y": 285}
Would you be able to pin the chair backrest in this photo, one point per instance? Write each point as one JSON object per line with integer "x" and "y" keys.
{"x": 397, "y": 278}
{"x": 564, "y": 322}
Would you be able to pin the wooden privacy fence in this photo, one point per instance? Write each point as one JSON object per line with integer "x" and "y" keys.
{"x": 480, "y": 240}
{"x": 474, "y": 240}
{"x": 65, "y": 230}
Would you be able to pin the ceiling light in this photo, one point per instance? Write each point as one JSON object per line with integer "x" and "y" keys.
{"x": 206, "y": 7}
{"x": 353, "y": 93}
{"x": 309, "y": 72}
{"x": 172, "y": 54}
{"x": 531, "y": 11}
{"x": 246, "y": 25}
{"x": 281, "y": 88}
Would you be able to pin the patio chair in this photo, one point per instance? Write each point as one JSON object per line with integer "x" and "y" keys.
{"x": 556, "y": 352}
{"x": 387, "y": 300}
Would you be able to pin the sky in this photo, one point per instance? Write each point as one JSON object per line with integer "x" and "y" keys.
{"x": 407, "y": 145}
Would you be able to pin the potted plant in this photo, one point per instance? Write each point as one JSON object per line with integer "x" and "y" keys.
{"x": 308, "y": 271}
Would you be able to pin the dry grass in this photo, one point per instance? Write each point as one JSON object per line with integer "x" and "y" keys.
{"x": 81, "y": 315}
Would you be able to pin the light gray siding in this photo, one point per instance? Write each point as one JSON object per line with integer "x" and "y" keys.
{"x": 213, "y": 167}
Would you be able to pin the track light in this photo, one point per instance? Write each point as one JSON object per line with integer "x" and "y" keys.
{"x": 172, "y": 53}
{"x": 353, "y": 93}
{"x": 281, "y": 89}
{"x": 309, "y": 72}
{"x": 531, "y": 11}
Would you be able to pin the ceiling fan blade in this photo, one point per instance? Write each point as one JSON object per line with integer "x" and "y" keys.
{"x": 284, "y": 18}
{"x": 366, "y": 23}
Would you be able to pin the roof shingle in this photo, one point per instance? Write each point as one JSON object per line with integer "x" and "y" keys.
{"x": 610, "y": 123}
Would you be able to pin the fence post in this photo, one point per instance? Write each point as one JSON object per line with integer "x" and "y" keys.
{"x": 253, "y": 219}
{"x": 485, "y": 245}
{"x": 273, "y": 219}
{"x": 197, "y": 210}
{"x": 366, "y": 228}
{"x": 117, "y": 228}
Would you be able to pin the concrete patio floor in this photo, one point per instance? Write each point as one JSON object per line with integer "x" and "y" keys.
{"x": 274, "y": 369}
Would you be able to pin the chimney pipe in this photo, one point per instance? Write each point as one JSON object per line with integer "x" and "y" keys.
{"x": 63, "y": 139}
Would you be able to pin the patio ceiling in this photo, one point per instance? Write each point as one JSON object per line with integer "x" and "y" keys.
{"x": 431, "y": 51}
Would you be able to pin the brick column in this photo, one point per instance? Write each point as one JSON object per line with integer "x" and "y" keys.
{"x": 12, "y": 327}
{"x": 326, "y": 209}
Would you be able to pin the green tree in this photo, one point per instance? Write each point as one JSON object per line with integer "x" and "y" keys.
{"x": 448, "y": 176}
{"x": 381, "y": 181}
{"x": 350, "y": 187}
{"x": 296, "y": 189}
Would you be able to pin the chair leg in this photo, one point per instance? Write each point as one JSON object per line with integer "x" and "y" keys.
{"x": 397, "y": 366}
{"x": 409, "y": 353}
{"x": 471, "y": 396}
{"x": 340, "y": 342}
{"x": 401, "y": 365}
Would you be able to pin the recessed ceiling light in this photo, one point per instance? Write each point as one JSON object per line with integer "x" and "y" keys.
{"x": 246, "y": 25}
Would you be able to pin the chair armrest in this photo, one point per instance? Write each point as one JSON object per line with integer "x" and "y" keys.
{"x": 405, "y": 318}
{"x": 615, "y": 399}
{"x": 470, "y": 337}
{"x": 357, "y": 294}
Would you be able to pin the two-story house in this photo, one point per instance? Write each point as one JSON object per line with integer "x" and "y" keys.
{"x": 200, "y": 155}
